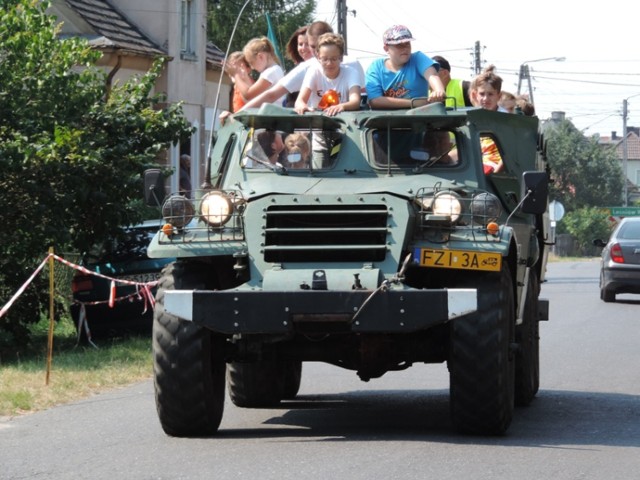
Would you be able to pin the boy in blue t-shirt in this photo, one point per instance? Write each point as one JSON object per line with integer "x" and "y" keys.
{"x": 392, "y": 82}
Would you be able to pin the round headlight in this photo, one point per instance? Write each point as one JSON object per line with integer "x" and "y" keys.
{"x": 447, "y": 204}
{"x": 178, "y": 210}
{"x": 485, "y": 208}
{"x": 216, "y": 209}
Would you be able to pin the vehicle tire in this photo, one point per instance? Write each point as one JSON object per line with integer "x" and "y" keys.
{"x": 188, "y": 365}
{"x": 481, "y": 361}
{"x": 607, "y": 296}
{"x": 258, "y": 384}
{"x": 528, "y": 355}
{"x": 292, "y": 371}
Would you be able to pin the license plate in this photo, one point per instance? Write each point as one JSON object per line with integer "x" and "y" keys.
{"x": 461, "y": 259}
{"x": 141, "y": 277}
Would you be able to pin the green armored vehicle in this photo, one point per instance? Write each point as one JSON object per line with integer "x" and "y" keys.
{"x": 372, "y": 240}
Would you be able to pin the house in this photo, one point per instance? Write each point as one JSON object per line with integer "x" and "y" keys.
{"x": 131, "y": 35}
{"x": 633, "y": 158}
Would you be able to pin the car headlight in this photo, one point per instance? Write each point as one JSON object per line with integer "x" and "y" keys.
{"x": 178, "y": 210}
{"x": 216, "y": 209}
{"x": 485, "y": 208}
{"x": 447, "y": 204}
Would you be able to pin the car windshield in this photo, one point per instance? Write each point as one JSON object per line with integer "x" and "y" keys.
{"x": 629, "y": 231}
{"x": 131, "y": 244}
{"x": 302, "y": 149}
{"x": 404, "y": 147}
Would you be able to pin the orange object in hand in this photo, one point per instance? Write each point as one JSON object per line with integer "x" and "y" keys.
{"x": 329, "y": 99}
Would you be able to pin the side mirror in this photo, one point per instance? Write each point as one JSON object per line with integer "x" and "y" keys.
{"x": 536, "y": 187}
{"x": 154, "y": 191}
{"x": 599, "y": 243}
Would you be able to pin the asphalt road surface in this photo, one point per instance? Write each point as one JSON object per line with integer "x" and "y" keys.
{"x": 584, "y": 424}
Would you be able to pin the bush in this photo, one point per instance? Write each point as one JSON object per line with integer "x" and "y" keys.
{"x": 585, "y": 224}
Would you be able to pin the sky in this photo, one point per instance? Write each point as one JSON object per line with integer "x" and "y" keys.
{"x": 598, "y": 41}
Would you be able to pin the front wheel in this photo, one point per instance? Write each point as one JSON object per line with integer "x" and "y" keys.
{"x": 481, "y": 361}
{"x": 188, "y": 364}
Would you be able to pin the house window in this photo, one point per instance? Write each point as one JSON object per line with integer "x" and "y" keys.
{"x": 187, "y": 29}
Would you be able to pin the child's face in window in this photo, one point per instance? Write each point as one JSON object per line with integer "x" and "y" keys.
{"x": 330, "y": 57}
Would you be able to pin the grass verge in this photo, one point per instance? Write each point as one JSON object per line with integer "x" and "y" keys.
{"x": 76, "y": 371}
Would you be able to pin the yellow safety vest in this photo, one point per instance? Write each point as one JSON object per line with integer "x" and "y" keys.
{"x": 454, "y": 89}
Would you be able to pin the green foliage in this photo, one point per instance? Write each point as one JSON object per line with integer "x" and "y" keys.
{"x": 286, "y": 16}
{"x": 586, "y": 224}
{"x": 584, "y": 174}
{"x": 71, "y": 158}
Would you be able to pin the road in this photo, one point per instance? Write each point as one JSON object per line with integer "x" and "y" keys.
{"x": 584, "y": 424}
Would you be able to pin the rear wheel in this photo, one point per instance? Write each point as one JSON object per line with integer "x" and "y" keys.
{"x": 256, "y": 384}
{"x": 188, "y": 364}
{"x": 528, "y": 338}
{"x": 292, "y": 372}
{"x": 606, "y": 296}
{"x": 481, "y": 363}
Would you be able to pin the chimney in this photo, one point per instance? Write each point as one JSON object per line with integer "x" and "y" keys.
{"x": 557, "y": 116}
{"x": 614, "y": 136}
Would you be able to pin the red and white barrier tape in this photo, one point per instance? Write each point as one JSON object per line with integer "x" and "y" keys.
{"x": 144, "y": 289}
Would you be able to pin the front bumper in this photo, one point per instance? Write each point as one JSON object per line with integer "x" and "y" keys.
{"x": 273, "y": 312}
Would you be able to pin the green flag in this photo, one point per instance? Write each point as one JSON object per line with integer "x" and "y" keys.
{"x": 272, "y": 38}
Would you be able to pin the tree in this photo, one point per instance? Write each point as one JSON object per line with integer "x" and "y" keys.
{"x": 71, "y": 159}
{"x": 286, "y": 16}
{"x": 586, "y": 224}
{"x": 584, "y": 174}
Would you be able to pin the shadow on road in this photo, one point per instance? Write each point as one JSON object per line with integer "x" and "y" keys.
{"x": 566, "y": 419}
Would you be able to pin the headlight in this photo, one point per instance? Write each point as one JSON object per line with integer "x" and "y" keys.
{"x": 177, "y": 210}
{"x": 447, "y": 204}
{"x": 216, "y": 209}
{"x": 485, "y": 208}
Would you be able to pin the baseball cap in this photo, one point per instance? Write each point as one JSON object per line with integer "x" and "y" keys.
{"x": 397, "y": 34}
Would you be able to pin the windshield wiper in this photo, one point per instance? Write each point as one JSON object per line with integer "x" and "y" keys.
{"x": 277, "y": 167}
{"x": 433, "y": 160}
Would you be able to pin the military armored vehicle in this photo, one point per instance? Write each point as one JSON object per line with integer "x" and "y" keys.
{"x": 383, "y": 240}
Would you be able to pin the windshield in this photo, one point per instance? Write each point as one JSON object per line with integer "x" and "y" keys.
{"x": 302, "y": 149}
{"x": 403, "y": 147}
{"x": 130, "y": 245}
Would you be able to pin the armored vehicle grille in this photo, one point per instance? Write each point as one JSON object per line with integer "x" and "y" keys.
{"x": 323, "y": 233}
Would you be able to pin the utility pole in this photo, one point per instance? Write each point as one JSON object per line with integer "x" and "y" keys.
{"x": 477, "y": 61}
{"x": 525, "y": 73}
{"x": 341, "y": 8}
{"x": 625, "y": 152}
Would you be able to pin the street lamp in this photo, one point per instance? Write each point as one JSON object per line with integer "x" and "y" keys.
{"x": 524, "y": 73}
{"x": 625, "y": 151}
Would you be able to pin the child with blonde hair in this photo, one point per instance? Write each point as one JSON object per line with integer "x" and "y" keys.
{"x": 261, "y": 56}
{"x": 298, "y": 150}
{"x": 235, "y": 62}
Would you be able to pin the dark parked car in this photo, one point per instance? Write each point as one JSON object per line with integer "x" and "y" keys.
{"x": 620, "y": 264}
{"x": 124, "y": 258}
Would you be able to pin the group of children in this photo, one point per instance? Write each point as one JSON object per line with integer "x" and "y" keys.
{"x": 325, "y": 79}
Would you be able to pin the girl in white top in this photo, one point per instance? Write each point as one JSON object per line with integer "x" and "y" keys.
{"x": 329, "y": 75}
{"x": 262, "y": 58}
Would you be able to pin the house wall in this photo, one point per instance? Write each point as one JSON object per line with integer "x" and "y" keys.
{"x": 185, "y": 78}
